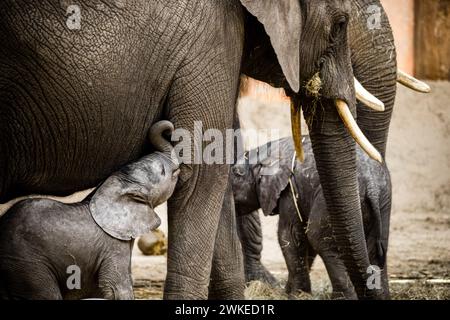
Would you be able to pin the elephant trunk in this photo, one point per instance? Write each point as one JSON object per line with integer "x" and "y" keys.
{"x": 335, "y": 155}
{"x": 156, "y": 136}
{"x": 375, "y": 65}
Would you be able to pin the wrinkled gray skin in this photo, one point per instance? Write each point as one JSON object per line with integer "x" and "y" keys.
{"x": 301, "y": 241}
{"x": 250, "y": 234}
{"x": 76, "y": 105}
{"x": 41, "y": 238}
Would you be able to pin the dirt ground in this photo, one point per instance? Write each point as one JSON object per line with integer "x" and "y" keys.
{"x": 419, "y": 160}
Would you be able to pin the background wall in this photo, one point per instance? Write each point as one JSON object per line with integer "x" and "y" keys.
{"x": 432, "y": 39}
{"x": 422, "y": 36}
{"x": 401, "y": 17}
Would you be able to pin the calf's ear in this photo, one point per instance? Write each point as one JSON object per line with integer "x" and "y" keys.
{"x": 119, "y": 212}
{"x": 273, "y": 173}
{"x": 282, "y": 20}
{"x": 269, "y": 188}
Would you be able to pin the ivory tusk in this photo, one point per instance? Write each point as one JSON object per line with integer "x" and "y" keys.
{"x": 412, "y": 83}
{"x": 296, "y": 123}
{"x": 355, "y": 131}
{"x": 367, "y": 98}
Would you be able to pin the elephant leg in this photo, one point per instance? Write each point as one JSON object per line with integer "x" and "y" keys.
{"x": 295, "y": 247}
{"x": 386, "y": 207}
{"x": 377, "y": 244}
{"x": 227, "y": 274}
{"x": 250, "y": 234}
{"x": 193, "y": 219}
{"x": 337, "y": 272}
{"x": 321, "y": 238}
{"x": 312, "y": 254}
{"x": 202, "y": 99}
{"x": 340, "y": 281}
{"x": 115, "y": 282}
{"x": 21, "y": 283}
{"x": 380, "y": 282}
{"x": 385, "y": 283}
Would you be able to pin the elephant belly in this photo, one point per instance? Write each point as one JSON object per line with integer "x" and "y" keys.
{"x": 76, "y": 101}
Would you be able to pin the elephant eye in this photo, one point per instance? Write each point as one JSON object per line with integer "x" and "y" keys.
{"x": 137, "y": 198}
{"x": 339, "y": 26}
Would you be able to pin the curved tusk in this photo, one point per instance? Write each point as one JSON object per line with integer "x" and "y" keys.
{"x": 296, "y": 123}
{"x": 355, "y": 131}
{"x": 367, "y": 98}
{"x": 412, "y": 83}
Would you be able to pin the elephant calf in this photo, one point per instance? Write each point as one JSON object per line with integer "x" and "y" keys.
{"x": 279, "y": 184}
{"x": 51, "y": 250}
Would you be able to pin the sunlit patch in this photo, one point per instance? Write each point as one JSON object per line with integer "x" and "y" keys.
{"x": 261, "y": 91}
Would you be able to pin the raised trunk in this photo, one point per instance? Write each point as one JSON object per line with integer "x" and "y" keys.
{"x": 158, "y": 141}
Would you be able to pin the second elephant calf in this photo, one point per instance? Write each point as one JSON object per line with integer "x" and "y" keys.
{"x": 271, "y": 179}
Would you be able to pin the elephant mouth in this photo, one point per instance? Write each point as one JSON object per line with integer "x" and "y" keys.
{"x": 155, "y": 220}
{"x": 313, "y": 89}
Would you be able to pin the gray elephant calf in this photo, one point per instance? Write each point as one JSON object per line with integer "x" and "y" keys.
{"x": 51, "y": 250}
{"x": 278, "y": 184}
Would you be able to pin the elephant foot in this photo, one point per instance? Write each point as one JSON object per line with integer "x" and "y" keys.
{"x": 377, "y": 294}
{"x": 298, "y": 286}
{"x": 180, "y": 287}
{"x": 344, "y": 295}
{"x": 256, "y": 271}
{"x": 230, "y": 289}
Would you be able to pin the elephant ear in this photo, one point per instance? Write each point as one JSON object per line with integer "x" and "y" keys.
{"x": 273, "y": 174}
{"x": 282, "y": 20}
{"x": 120, "y": 211}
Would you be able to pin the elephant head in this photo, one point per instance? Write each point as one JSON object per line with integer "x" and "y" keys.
{"x": 259, "y": 184}
{"x": 123, "y": 206}
{"x": 303, "y": 47}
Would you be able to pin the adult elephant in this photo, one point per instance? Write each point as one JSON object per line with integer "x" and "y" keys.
{"x": 81, "y": 85}
{"x": 316, "y": 50}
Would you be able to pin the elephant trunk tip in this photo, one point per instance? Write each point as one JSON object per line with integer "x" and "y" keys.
{"x": 160, "y": 143}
